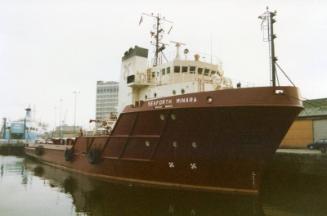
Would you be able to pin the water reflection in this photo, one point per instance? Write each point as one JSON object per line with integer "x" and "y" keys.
{"x": 30, "y": 188}
{"x": 75, "y": 194}
{"x": 94, "y": 197}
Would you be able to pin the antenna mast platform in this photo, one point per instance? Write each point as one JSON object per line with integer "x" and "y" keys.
{"x": 157, "y": 34}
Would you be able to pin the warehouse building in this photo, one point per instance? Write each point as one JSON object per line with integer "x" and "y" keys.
{"x": 310, "y": 126}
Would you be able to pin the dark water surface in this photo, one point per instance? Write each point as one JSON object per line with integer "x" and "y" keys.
{"x": 30, "y": 188}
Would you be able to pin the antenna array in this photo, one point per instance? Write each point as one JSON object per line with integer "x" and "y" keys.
{"x": 157, "y": 35}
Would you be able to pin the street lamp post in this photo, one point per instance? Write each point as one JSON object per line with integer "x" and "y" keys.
{"x": 75, "y": 99}
{"x": 60, "y": 121}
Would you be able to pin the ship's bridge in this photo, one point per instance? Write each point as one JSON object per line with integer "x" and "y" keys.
{"x": 177, "y": 77}
{"x": 177, "y": 71}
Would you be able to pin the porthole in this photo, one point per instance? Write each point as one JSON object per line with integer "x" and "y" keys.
{"x": 194, "y": 145}
{"x": 174, "y": 92}
{"x": 209, "y": 99}
{"x": 155, "y": 95}
{"x": 175, "y": 145}
{"x": 147, "y": 143}
{"x": 162, "y": 117}
{"x": 146, "y": 97}
{"x": 173, "y": 116}
{"x": 183, "y": 91}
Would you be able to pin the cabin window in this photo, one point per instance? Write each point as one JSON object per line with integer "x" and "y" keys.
{"x": 155, "y": 95}
{"x": 163, "y": 71}
{"x": 174, "y": 92}
{"x": 168, "y": 70}
{"x": 184, "y": 69}
{"x": 192, "y": 69}
{"x": 213, "y": 72}
{"x": 200, "y": 70}
{"x": 146, "y": 97}
{"x": 177, "y": 69}
{"x": 153, "y": 74}
{"x": 158, "y": 74}
{"x": 183, "y": 91}
{"x": 206, "y": 72}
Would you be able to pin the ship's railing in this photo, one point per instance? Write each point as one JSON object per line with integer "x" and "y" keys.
{"x": 138, "y": 79}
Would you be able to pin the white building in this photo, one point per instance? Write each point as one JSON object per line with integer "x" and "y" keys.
{"x": 106, "y": 99}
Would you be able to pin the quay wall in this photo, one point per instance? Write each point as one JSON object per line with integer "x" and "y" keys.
{"x": 298, "y": 161}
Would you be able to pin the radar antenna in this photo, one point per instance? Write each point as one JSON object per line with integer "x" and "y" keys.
{"x": 157, "y": 35}
{"x": 268, "y": 21}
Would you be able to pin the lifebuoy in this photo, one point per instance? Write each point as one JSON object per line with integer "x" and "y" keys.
{"x": 69, "y": 154}
{"x": 94, "y": 155}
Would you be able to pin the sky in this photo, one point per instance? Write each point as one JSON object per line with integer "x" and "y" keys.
{"x": 51, "y": 48}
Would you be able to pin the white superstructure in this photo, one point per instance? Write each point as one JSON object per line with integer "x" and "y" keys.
{"x": 140, "y": 83}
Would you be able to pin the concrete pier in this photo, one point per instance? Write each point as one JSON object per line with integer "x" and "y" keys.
{"x": 300, "y": 161}
{"x": 12, "y": 146}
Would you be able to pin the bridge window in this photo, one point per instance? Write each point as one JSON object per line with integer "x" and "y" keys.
{"x": 177, "y": 69}
{"x": 184, "y": 69}
{"x": 168, "y": 70}
{"x": 200, "y": 70}
{"x": 192, "y": 69}
{"x": 206, "y": 72}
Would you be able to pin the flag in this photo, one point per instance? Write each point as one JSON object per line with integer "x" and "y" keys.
{"x": 141, "y": 20}
{"x": 170, "y": 29}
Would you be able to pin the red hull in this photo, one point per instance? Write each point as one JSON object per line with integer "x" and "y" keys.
{"x": 212, "y": 141}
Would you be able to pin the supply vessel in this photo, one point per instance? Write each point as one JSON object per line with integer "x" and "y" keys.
{"x": 182, "y": 124}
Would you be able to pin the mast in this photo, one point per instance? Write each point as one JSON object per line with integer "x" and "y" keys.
{"x": 4, "y": 126}
{"x": 268, "y": 18}
{"x": 157, "y": 41}
{"x": 157, "y": 35}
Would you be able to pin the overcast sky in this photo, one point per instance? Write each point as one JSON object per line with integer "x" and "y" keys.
{"x": 48, "y": 49}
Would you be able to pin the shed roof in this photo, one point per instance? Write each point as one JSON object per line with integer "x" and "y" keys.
{"x": 314, "y": 107}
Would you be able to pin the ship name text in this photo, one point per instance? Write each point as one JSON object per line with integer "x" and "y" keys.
{"x": 169, "y": 102}
{"x": 160, "y": 102}
{"x": 186, "y": 100}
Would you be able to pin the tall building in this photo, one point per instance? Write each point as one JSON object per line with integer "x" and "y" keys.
{"x": 107, "y": 99}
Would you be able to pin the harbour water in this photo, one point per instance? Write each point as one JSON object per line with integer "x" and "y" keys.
{"x": 30, "y": 188}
